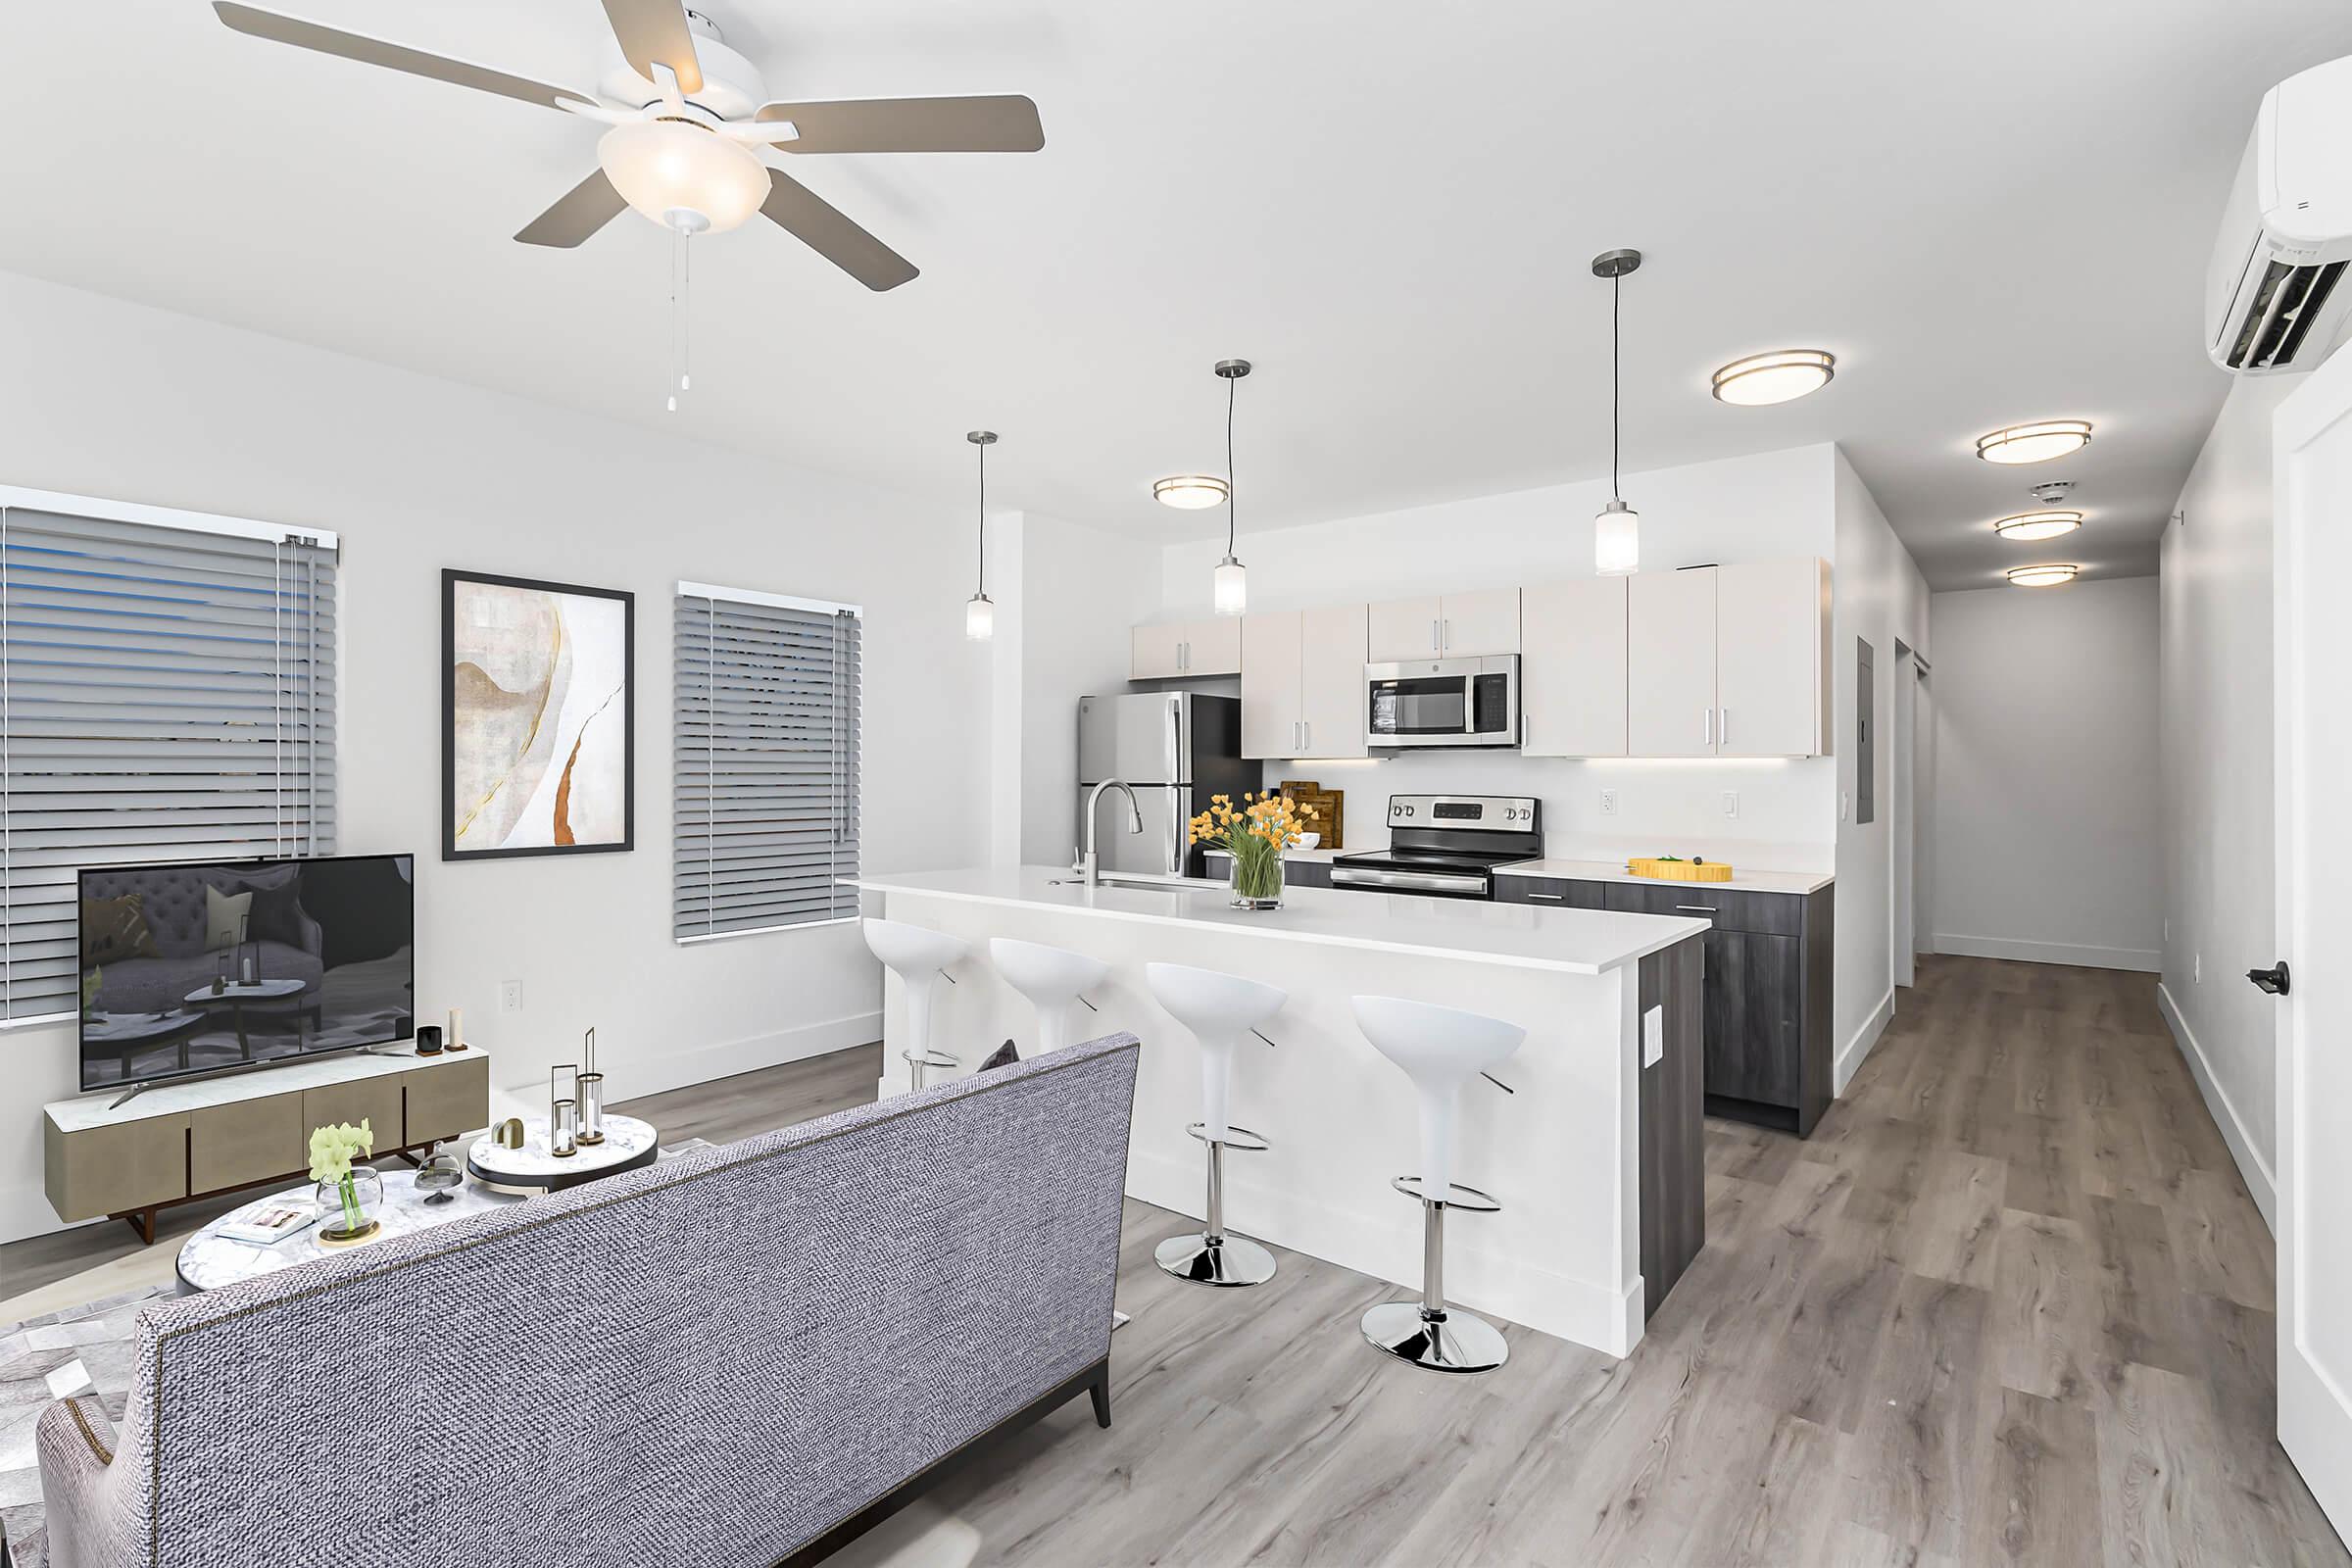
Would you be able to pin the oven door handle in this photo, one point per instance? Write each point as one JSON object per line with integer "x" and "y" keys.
{"x": 1350, "y": 876}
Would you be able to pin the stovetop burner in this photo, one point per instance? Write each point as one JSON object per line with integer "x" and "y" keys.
{"x": 1445, "y": 845}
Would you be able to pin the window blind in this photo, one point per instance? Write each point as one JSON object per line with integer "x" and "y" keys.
{"x": 166, "y": 694}
{"x": 765, "y": 798}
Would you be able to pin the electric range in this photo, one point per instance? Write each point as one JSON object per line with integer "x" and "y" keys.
{"x": 1447, "y": 846}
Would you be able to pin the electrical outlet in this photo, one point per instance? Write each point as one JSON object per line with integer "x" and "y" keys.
{"x": 1608, "y": 802}
{"x": 1731, "y": 803}
{"x": 509, "y": 996}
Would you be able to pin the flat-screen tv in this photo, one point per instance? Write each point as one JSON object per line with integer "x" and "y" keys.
{"x": 189, "y": 969}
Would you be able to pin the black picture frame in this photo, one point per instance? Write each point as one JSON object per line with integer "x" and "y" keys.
{"x": 450, "y": 577}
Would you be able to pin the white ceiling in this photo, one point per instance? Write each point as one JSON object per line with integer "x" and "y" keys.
{"x": 1992, "y": 214}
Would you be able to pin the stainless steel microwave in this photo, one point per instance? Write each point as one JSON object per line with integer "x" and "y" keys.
{"x": 1443, "y": 702}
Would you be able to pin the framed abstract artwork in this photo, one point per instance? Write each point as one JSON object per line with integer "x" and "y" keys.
{"x": 538, "y": 717}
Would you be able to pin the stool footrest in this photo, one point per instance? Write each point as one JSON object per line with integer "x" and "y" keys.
{"x": 930, "y": 1059}
{"x": 1469, "y": 1199}
{"x": 1236, "y": 1138}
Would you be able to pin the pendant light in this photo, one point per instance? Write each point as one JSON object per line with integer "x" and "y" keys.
{"x": 1617, "y": 530}
{"x": 979, "y": 612}
{"x": 1232, "y": 579}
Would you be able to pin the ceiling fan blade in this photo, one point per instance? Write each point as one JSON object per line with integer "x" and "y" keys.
{"x": 368, "y": 51}
{"x": 1005, "y": 123}
{"x": 577, "y": 214}
{"x": 816, "y": 223}
{"x": 654, "y": 33}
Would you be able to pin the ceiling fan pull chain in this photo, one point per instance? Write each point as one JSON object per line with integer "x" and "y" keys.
{"x": 685, "y": 314}
{"x": 678, "y": 242}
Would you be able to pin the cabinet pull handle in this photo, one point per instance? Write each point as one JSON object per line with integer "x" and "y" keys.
{"x": 1184, "y": 659}
{"x": 1306, "y": 733}
{"x": 1446, "y": 635}
{"x": 1706, "y": 726}
{"x": 1435, "y": 646}
{"x": 1698, "y": 908}
{"x": 1549, "y": 898}
{"x": 1723, "y": 728}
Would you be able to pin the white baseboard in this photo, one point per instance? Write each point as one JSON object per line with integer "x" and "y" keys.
{"x": 2143, "y": 960}
{"x": 2250, "y": 1166}
{"x": 1858, "y": 1046}
{"x": 680, "y": 1069}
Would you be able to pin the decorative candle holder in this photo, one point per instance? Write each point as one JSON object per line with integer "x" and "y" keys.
{"x": 591, "y": 1089}
{"x": 457, "y": 1031}
{"x": 563, "y": 1129}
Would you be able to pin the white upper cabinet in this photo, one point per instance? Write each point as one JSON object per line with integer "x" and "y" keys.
{"x": 1572, "y": 688}
{"x": 1670, "y": 663}
{"x": 1171, "y": 648}
{"x": 1332, "y": 653}
{"x": 1402, "y": 629}
{"x": 1771, "y": 664}
{"x": 1302, "y": 682}
{"x": 1475, "y": 626}
{"x": 1455, "y": 627}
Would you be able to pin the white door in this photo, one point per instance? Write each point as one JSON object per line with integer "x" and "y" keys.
{"x": 1213, "y": 647}
{"x": 1331, "y": 680}
{"x": 1670, "y": 663}
{"x": 1156, "y": 653}
{"x": 2310, "y": 559}
{"x": 1404, "y": 628}
{"x": 1478, "y": 625}
{"x": 1769, "y": 660}
{"x": 1572, "y": 668}
{"x": 1270, "y": 684}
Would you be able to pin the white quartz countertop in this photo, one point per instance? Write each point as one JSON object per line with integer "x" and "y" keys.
{"x": 1572, "y": 940}
{"x": 1615, "y": 872}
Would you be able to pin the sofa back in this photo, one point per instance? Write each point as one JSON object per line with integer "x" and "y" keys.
{"x": 704, "y": 1363}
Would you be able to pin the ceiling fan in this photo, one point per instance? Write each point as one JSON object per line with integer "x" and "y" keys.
{"x": 686, "y": 114}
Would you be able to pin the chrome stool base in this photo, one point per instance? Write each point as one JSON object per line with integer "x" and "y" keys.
{"x": 1227, "y": 1260}
{"x": 1454, "y": 1341}
{"x": 919, "y": 1059}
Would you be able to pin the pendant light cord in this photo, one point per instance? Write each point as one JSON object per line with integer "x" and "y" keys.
{"x": 1233, "y": 385}
{"x": 982, "y": 448}
{"x": 1614, "y": 295}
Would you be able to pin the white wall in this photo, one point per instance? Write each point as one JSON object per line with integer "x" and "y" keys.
{"x": 2217, "y": 809}
{"x": 1880, "y": 597}
{"x": 1777, "y": 504}
{"x": 2049, "y": 823}
{"x": 106, "y": 399}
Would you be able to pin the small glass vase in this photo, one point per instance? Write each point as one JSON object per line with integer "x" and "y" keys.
{"x": 350, "y": 1209}
{"x": 1256, "y": 882}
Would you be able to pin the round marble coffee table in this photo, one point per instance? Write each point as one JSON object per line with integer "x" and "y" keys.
{"x": 530, "y": 1170}
{"x": 208, "y": 1259}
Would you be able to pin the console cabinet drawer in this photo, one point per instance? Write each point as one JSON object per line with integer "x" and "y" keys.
{"x": 247, "y": 1141}
{"x": 452, "y": 1099}
{"x": 375, "y": 1100}
{"x": 112, "y": 1170}
{"x": 1546, "y": 892}
{"x": 1779, "y": 914}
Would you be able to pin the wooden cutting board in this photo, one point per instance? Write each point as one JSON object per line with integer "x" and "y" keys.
{"x": 1329, "y": 808}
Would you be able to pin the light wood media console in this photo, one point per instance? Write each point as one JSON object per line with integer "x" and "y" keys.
{"x": 177, "y": 1143}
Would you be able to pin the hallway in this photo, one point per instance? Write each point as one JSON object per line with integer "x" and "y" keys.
{"x": 2010, "y": 1304}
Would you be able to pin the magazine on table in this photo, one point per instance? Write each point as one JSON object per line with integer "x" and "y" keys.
{"x": 272, "y": 1222}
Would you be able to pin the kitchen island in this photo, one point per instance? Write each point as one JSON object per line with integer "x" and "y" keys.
{"x": 1594, "y": 1155}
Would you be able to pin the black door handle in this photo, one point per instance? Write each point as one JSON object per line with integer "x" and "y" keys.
{"x": 2272, "y": 980}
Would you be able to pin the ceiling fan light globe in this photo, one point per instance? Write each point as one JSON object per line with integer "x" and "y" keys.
{"x": 682, "y": 176}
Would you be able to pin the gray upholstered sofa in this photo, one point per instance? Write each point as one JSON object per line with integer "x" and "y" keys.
{"x": 737, "y": 1357}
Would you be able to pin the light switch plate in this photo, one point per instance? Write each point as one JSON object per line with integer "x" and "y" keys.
{"x": 1653, "y": 1036}
{"x": 1731, "y": 803}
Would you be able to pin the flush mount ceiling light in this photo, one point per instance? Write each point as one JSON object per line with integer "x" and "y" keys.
{"x": 1190, "y": 492}
{"x": 1232, "y": 579}
{"x": 2040, "y": 577}
{"x": 2038, "y": 524}
{"x": 1617, "y": 530}
{"x": 979, "y": 612}
{"x": 2035, "y": 443}
{"x": 1776, "y": 377}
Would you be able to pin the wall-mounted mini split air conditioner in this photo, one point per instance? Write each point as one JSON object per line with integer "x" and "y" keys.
{"x": 2276, "y": 291}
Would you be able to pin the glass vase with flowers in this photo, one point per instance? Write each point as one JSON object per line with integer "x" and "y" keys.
{"x": 350, "y": 1196}
{"x": 1255, "y": 833}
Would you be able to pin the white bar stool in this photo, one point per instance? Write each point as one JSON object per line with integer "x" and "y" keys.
{"x": 1441, "y": 1049}
{"x": 1218, "y": 1010}
{"x": 918, "y": 956}
{"x": 1052, "y": 979}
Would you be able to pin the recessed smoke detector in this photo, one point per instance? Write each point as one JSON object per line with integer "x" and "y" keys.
{"x": 2052, "y": 493}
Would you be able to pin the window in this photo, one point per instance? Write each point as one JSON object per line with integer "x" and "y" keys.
{"x": 166, "y": 693}
{"x": 766, "y": 804}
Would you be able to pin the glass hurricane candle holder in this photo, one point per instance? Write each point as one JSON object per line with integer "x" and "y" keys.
{"x": 563, "y": 1129}
{"x": 591, "y": 1089}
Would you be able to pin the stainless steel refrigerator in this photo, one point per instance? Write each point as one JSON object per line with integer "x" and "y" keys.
{"x": 1175, "y": 750}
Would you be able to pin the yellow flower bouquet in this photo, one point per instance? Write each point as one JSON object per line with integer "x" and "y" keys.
{"x": 1255, "y": 833}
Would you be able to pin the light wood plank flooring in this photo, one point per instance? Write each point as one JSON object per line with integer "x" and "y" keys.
{"x": 2010, "y": 1304}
